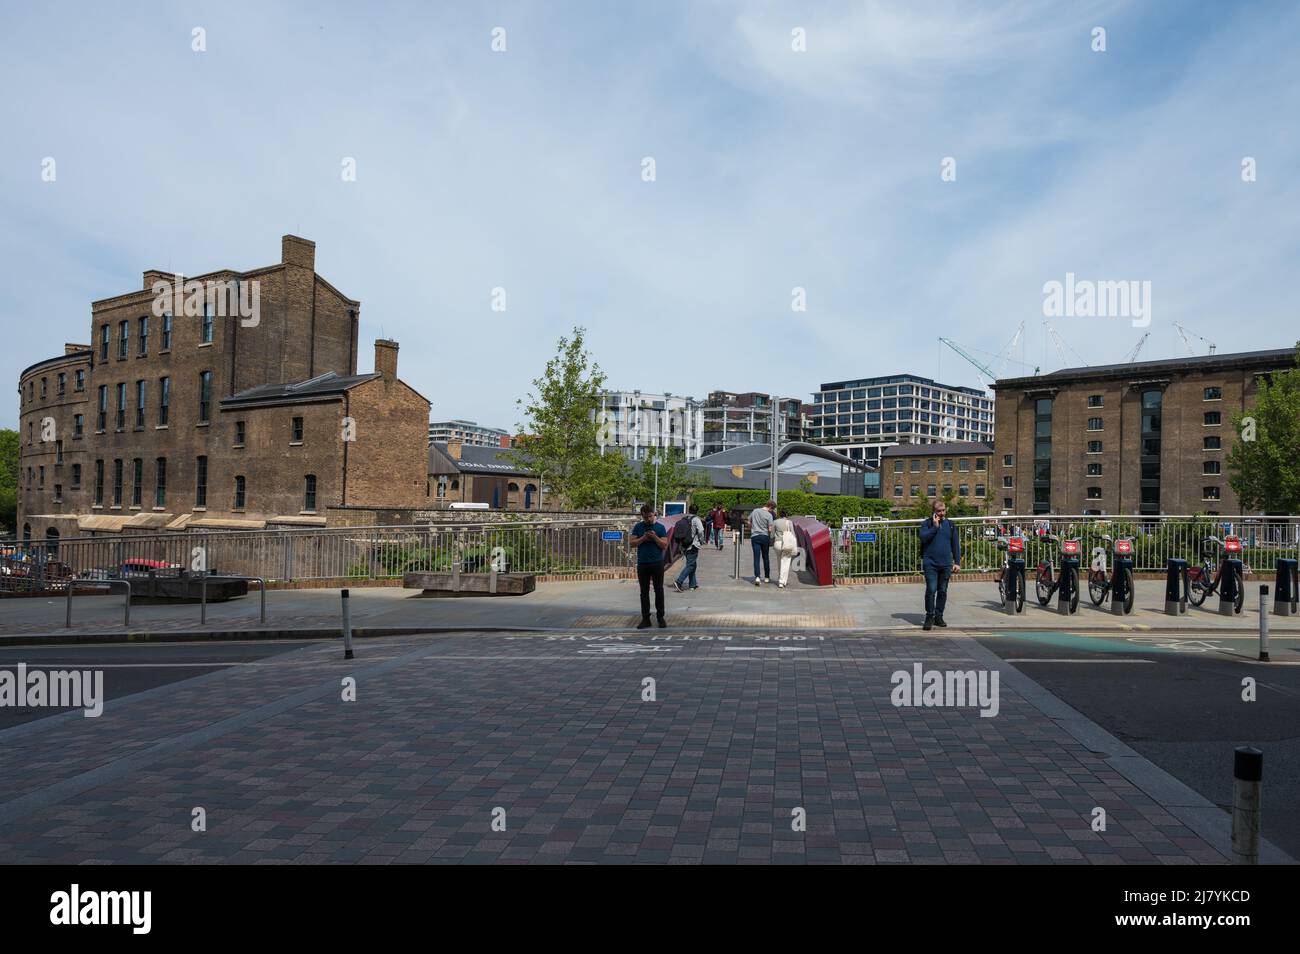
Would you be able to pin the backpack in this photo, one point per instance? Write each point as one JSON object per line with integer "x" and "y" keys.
{"x": 682, "y": 532}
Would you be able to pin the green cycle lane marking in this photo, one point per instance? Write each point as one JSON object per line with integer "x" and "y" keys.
{"x": 1096, "y": 644}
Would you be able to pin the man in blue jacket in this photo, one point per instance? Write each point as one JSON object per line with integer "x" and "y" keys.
{"x": 940, "y": 559}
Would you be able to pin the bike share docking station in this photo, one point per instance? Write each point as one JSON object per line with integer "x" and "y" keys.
{"x": 1013, "y": 577}
{"x": 1067, "y": 593}
{"x": 1176, "y": 588}
{"x": 1121, "y": 602}
{"x": 1285, "y": 590}
{"x": 1230, "y": 574}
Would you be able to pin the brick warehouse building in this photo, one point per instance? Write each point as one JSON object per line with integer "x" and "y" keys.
{"x": 218, "y": 420}
{"x": 1150, "y": 437}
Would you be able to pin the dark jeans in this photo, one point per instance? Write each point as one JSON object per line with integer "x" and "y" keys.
{"x": 936, "y": 589}
{"x": 688, "y": 571}
{"x": 717, "y": 535}
{"x": 761, "y": 543}
{"x": 645, "y": 574}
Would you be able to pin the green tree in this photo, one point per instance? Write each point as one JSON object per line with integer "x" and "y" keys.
{"x": 1264, "y": 462}
{"x": 8, "y": 481}
{"x": 561, "y": 433}
{"x": 676, "y": 480}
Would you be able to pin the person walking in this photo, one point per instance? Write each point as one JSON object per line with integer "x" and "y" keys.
{"x": 940, "y": 559}
{"x": 786, "y": 545}
{"x": 689, "y": 534}
{"x": 719, "y": 524}
{"x": 760, "y": 538}
{"x": 651, "y": 541}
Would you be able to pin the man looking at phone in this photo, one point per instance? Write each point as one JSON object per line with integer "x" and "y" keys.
{"x": 940, "y": 559}
{"x": 651, "y": 541}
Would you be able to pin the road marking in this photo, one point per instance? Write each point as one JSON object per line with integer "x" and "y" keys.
{"x": 65, "y": 664}
{"x": 781, "y": 649}
{"x": 1151, "y": 661}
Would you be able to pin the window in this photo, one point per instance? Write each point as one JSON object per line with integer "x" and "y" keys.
{"x": 296, "y": 431}
{"x": 1212, "y": 443}
{"x": 1209, "y": 493}
{"x": 144, "y": 335}
{"x": 898, "y": 466}
{"x": 1210, "y": 468}
{"x": 76, "y": 476}
{"x": 121, "y": 406}
{"x": 200, "y": 482}
{"x": 139, "y": 404}
{"x": 207, "y": 324}
{"x": 80, "y": 378}
{"x": 1094, "y": 493}
{"x": 916, "y": 466}
{"x": 898, "y": 490}
{"x": 1094, "y": 447}
{"x": 916, "y": 489}
{"x": 63, "y": 382}
{"x": 964, "y": 490}
{"x": 117, "y": 482}
{"x": 123, "y": 340}
{"x": 930, "y": 490}
{"x": 58, "y": 452}
{"x": 1007, "y": 482}
{"x": 1213, "y": 394}
{"x": 309, "y": 493}
{"x": 981, "y": 463}
{"x": 932, "y": 465}
{"x": 164, "y": 400}
{"x": 1008, "y": 460}
{"x": 947, "y": 465}
{"x": 1042, "y": 455}
{"x": 1094, "y": 400}
{"x": 137, "y": 481}
{"x": 963, "y": 465}
{"x": 160, "y": 483}
{"x": 1008, "y": 503}
{"x": 205, "y": 396}
{"x": 58, "y": 493}
{"x": 101, "y": 422}
{"x": 1094, "y": 470}
{"x": 1213, "y": 418}
{"x": 40, "y": 481}
{"x": 45, "y": 388}
{"x": 1094, "y": 424}
{"x": 947, "y": 488}
{"x": 240, "y": 487}
{"x": 979, "y": 490}
{"x": 104, "y": 335}
{"x": 1149, "y": 485}
{"x": 166, "y": 332}
{"x": 239, "y": 433}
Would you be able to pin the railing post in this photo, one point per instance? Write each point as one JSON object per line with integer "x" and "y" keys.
{"x": 71, "y": 586}
{"x": 203, "y": 600}
{"x": 347, "y": 628}
{"x": 127, "y": 618}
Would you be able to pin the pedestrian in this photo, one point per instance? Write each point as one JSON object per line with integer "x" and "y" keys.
{"x": 940, "y": 559}
{"x": 760, "y": 538}
{"x": 786, "y": 545}
{"x": 651, "y": 541}
{"x": 689, "y": 534}
{"x": 719, "y": 524}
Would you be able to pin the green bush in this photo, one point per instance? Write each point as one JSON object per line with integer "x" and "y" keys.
{"x": 830, "y": 509}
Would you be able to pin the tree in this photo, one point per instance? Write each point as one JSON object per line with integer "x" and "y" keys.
{"x": 676, "y": 480}
{"x": 561, "y": 436}
{"x": 1264, "y": 463}
{"x": 8, "y": 480}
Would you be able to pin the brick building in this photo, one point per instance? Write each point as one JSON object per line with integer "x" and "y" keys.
{"x": 185, "y": 412}
{"x": 933, "y": 470}
{"x": 468, "y": 473}
{"x": 1150, "y": 437}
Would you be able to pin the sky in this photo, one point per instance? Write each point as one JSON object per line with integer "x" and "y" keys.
{"x": 775, "y": 169}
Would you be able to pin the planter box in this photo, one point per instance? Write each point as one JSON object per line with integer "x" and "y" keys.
{"x": 470, "y": 584}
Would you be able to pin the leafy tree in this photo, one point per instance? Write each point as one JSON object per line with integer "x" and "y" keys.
{"x": 1264, "y": 463}
{"x": 8, "y": 480}
{"x": 561, "y": 436}
{"x": 676, "y": 480}
{"x": 922, "y": 507}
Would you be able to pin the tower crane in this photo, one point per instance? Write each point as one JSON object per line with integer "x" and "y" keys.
{"x": 1183, "y": 332}
{"x": 1061, "y": 345}
{"x": 1132, "y": 355}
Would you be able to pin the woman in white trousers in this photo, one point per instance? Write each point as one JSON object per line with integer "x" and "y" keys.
{"x": 786, "y": 545}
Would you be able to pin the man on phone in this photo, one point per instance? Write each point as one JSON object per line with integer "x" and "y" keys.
{"x": 940, "y": 559}
{"x": 651, "y": 541}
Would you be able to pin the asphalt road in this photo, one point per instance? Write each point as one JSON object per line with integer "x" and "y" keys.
{"x": 1178, "y": 701}
{"x": 129, "y": 669}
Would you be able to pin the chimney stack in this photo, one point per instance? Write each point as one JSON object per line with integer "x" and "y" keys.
{"x": 453, "y": 449}
{"x": 298, "y": 251}
{"x": 386, "y": 358}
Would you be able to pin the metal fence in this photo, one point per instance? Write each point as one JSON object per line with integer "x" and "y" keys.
{"x": 893, "y": 547}
{"x": 544, "y": 546}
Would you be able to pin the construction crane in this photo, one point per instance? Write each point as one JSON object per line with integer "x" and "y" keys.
{"x": 986, "y": 374}
{"x": 1061, "y": 345}
{"x": 1132, "y": 355}
{"x": 1183, "y": 332}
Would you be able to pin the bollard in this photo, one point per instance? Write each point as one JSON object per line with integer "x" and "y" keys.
{"x": 1285, "y": 596}
{"x": 203, "y": 600}
{"x": 735, "y": 539}
{"x": 347, "y": 628}
{"x": 1263, "y": 623}
{"x": 492, "y": 579}
{"x": 72, "y": 585}
{"x": 1247, "y": 776}
{"x": 1176, "y": 587}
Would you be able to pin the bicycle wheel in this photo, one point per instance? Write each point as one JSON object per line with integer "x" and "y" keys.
{"x": 1096, "y": 587}
{"x": 1072, "y": 577}
{"x": 1002, "y": 593}
{"x": 1240, "y": 591}
{"x": 1128, "y": 591}
{"x": 1020, "y": 591}
{"x": 1043, "y": 586}
{"x": 1199, "y": 587}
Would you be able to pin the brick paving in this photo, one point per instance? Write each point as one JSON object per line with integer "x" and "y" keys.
{"x": 554, "y": 731}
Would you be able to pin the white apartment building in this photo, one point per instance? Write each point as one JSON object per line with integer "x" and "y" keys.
{"x": 468, "y": 433}
{"x": 637, "y": 422}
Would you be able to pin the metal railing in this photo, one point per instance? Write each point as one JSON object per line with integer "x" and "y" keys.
{"x": 566, "y": 546}
{"x": 893, "y": 547}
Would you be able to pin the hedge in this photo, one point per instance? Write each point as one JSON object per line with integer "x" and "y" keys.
{"x": 830, "y": 509}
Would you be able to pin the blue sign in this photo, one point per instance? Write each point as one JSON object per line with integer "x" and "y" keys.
{"x": 864, "y": 538}
{"x": 611, "y": 534}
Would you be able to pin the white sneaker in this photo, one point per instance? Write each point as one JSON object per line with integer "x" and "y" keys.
{"x": 767, "y": 579}
{"x": 757, "y": 581}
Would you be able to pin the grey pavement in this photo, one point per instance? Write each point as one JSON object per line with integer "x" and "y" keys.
{"x": 720, "y": 603}
{"x": 555, "y": 737}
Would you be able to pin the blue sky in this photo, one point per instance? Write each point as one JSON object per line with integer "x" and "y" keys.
{"x": 775, "y": 169}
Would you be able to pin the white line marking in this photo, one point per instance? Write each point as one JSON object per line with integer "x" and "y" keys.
{"x": 1133, "y": 661}
{"x": 783, "y": 649}
{"x": 67, "y": 664}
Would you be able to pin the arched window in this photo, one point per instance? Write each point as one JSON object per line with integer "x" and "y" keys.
{"x": 27, "y": 533}
{"x": 52, "y": 541}
{"x": 513, "y": 487}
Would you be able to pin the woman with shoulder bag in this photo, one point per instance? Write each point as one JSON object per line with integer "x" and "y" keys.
{"x": 786, "y": 544}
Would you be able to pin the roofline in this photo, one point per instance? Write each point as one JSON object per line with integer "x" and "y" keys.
{"x": 74, "y": 356}
{"x": 1269, "y": 359}
{"x": 127, "y": 297}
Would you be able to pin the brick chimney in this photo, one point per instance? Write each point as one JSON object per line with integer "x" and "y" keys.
{"x": 74, "y": 348}
{"x": 298, "y": 251}
{"x": 453, "y": 449}
{"x": 386, "y": 358}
